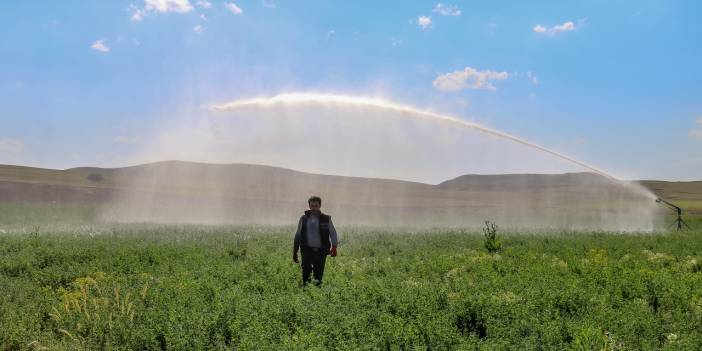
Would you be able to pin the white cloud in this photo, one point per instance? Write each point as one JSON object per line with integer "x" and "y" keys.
{"x": 233, "y": 8}
{"x": 424, "y": 22}
{"x": 447, "y": 10}
{"x": 469, "y": 78}
{"x": 268, "y": 3}
{"x": 565, "y": 27}
{"x": 198, "y": 29}
{"x": 330, "y": 33}
{"x": 696, "y": 132}
{"x": 204, "y": 4}
{"x": 11, "y": 146}
{"x": 99, "y": 45}
{"x": 138, "y": 13}
{"x": 165, "y": 6}
{"x": 540, "y": 29}
{"x": 395, "y": 41}
{"x": 532, "y": 78}
{"x": 203, "y": 17}
{"x": 159, "y": 6}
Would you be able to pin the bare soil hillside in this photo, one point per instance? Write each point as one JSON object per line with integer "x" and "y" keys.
{"x": 174, "y": 191}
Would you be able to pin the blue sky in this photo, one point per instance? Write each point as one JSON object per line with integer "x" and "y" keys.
{"x": 614, "y": 83}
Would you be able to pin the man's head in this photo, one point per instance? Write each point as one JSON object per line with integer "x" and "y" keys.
{"x": 315, "y": 203}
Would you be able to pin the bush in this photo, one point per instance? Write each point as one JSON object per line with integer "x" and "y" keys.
{"x": 95, "y": 177}
{"x": 491, "y": 243}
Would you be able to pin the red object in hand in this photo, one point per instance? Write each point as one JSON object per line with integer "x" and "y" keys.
{"x": 332, "y": 252}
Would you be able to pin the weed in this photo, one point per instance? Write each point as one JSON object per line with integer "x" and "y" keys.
{"x": 492, "y": 244}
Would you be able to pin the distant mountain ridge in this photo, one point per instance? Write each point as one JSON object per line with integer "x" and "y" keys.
{"x": 517, "y": 181}
{"x": 178, "y": 191}
{"x": 120, "y": 176}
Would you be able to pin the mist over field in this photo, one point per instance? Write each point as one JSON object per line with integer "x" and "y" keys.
{"x": 176, "y": 192}
{"x": 394, "y": 166}
{"x": 373, "y": 162}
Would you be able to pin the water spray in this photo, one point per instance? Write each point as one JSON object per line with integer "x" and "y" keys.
{"x": 210, "y": 194}
{"x": 678, "y": 221}
{"x": 410, "y": 112}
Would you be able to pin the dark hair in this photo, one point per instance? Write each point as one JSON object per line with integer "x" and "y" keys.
{"x": 315, "y": 199}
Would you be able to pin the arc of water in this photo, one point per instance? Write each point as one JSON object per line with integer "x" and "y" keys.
{"x": 314, "y": 98}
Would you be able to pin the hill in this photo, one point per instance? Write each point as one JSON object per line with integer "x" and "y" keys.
{"x": 687, "y": 195}
{"x": 175, "y": 191}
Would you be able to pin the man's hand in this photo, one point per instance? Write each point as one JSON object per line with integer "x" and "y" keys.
{"x": 295, "y": 257}
{"x": 332, "y": 252}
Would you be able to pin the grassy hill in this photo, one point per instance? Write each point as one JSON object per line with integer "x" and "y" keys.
{"x": 687, "y": 195}
{"x": 116, "y": 178}
{"x": 174, "y": 191}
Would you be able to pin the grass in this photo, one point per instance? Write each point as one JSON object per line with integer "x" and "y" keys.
{"x": 75, "y": 177}
{"x": 196, "y": 287}
{"x": 28, "y": 216}
{"x": 690, "y": 206}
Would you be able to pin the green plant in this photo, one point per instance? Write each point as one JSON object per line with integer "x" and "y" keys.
{"x": 492, "y": 244}
{"x": 196, "y": 287}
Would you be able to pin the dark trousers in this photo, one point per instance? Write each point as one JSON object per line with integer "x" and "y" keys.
{"x": 313, "y": 262}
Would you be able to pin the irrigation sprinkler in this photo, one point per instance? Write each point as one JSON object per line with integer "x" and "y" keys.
{"x": 678, "y": 221}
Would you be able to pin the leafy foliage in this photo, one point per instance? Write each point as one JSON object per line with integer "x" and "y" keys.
{"x": 490, "y": 232}
{"x": 197, "y": 287}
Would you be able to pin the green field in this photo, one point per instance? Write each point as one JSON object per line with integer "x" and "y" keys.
{"x": 197, "y": 287}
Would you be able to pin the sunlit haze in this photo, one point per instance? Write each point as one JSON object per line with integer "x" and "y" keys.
{"x": 611, "y": 85}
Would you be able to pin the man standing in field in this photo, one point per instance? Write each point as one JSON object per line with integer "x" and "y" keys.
{"x": 316, "y": 238}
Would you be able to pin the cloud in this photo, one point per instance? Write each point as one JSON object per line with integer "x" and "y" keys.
{"x": 696, "y": 132}
{"x": 165, "y": 6}
{"x": 11, "y": 146}
{"x": 565, "y": 27}
{"x": 540, "y": 29}
{"x": 137, "y": 13}
{"x": 159, "y": 6}
{"x": 99, "y": 45}
{"x": 395, "y": 41}
{"x": 233, "y": 8}
{"x": 447, "y": 10}
{"x": 532, "y": 78}
{"x": 204, "y": 4}
{"x": 330, "y": 33}
{"x": 268, "y": 3}
{"x": 198, "y": 29}
{"x": 469, "y": 78}
{"x": 424, "y": 22}
{"x": 203, "y": 17}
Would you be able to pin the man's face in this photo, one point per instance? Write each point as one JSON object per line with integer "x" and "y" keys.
{"x": 315, "y": 206}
